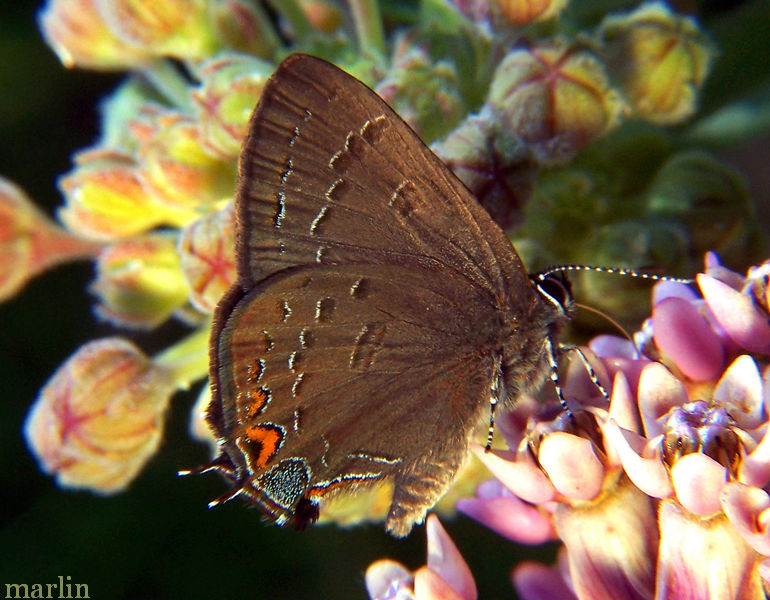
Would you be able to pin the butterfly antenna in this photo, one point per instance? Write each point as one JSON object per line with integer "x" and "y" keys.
{"x": 613, "y": 271}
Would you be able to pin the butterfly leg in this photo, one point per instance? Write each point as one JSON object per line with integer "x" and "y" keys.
{"x": 563, "y": 349}
{"x": 497, "y": 395}
{"x": 418, "y": 489}
{"x": 551, "y": 353}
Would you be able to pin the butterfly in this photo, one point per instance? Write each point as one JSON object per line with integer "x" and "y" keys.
{"x": 379, "y": 313}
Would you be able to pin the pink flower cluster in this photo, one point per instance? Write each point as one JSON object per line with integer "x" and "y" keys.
{"x": 659, "y": 492}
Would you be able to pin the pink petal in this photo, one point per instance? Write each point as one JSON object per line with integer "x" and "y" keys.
{"x": 764, "y": 571}
{"x": 672, "y": 289}
{"x": 729, "y": 346}
{"x": 632, "y": 369}
{"x": 384, "y": 577}
{"x": 736, "y": 312}
{"x": 698, "y": 481}
{"x": 571, "y": 465}
{"x": 492, "y": 488}
{"x": 611, "y": 544}
{"x": 681, "y": 333}
{"x": 703, "y": 558}
{"x": 623, "y": 405}
{"x": 755, "y": 467}
{"x": 534, "y": 581}
{"x": 513, "y": 424}
{"x": 748, "y": 509}
{"x": 525, "y": 479}
{"x": 607, "y": 346}
{"x": 509, "y": 517}
{"x": 715, "y": 269}
{"x": 740, "y": 392}
{"x": 577, "y": 383}
{"x": 648, "y": 474}
{"x": 445, "y": 560}
{"x": 711, "y": 260}
{"x": 659, "y": 391}
{"x": 623, "y": 411}
{"x": 562, "y": 567}
{"x": 429, "y": 586}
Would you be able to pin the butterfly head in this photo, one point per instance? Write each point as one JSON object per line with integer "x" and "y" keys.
{"x": 555, "y": 288}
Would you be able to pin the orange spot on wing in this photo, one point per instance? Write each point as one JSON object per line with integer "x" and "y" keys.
{"x": 267, "y": 439}
{"x": 254, "y": 371}
{"x": 252, "y": 402}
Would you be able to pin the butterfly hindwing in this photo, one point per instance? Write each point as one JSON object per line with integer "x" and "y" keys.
{"x": 325, "y": 369}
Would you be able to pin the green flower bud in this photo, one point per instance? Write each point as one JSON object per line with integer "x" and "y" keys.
{"x": 495, "y": 167}
{"x": 711, "y": 202}
{"x": 231, "y": 85}
{"x": 424, "y": 93}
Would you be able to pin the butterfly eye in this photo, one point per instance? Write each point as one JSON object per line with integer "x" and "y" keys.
{"x": 556, "y": 288}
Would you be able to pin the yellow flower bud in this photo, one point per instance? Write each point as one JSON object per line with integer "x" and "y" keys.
{"x": 99, "y": 418}
{"x": 174, "y": 167}
{"x": 554, "y": 97}
{"x": 105, "y": 198}
{"x": 660, "y": 59}
{"x": 523, "y": 12}
{"x": 139, "y": 281}
{"x": 207, "y": 250}
{"x": 178, "y": 28}
{"x": 230, "y": 88}
{"x": 30, "y": 242}
{"x": 80, "y": 38}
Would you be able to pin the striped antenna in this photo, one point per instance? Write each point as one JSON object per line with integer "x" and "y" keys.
{"x": 611, "y": 271}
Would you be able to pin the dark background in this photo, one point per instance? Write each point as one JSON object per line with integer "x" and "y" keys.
{"x": 158, "y": 540}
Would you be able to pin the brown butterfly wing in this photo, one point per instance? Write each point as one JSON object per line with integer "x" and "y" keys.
{"x": 331, "y": 175}
{"x": 341, "y": 372}
{"x": 373, "y": 303}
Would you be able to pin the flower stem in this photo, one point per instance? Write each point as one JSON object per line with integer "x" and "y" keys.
{"x": 188, "y": 360}
{"x": 168, "y": 81}
{"x": 368, "y": 23}
{"x": 293, "y": 13}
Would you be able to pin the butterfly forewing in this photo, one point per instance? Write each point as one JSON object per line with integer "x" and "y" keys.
{"x": 375, "y": 305}
{"x": 333, "y": 175}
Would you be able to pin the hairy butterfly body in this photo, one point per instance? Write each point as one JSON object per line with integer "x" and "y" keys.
{"x": 378, "y": 308}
